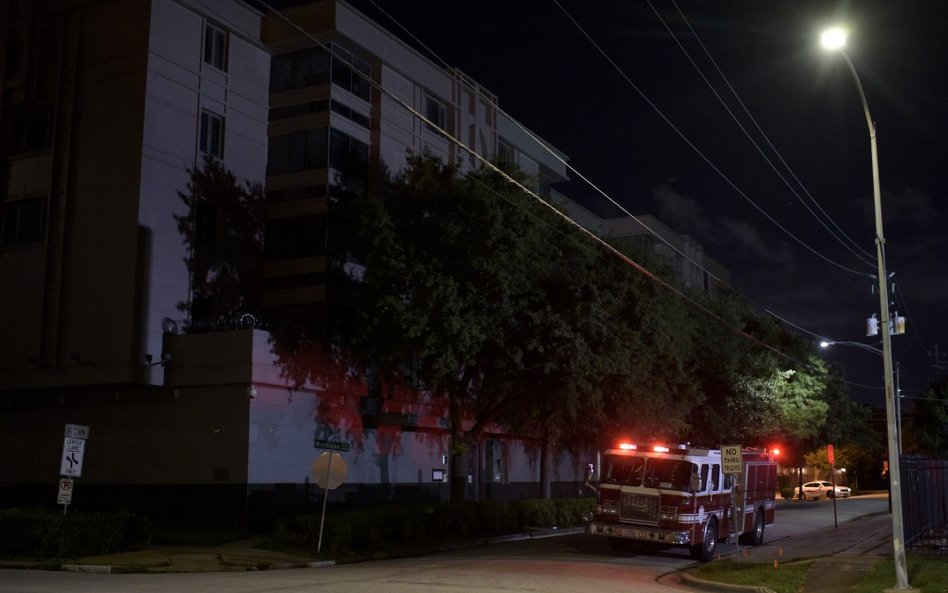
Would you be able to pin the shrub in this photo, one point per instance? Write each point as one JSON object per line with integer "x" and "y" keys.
{"x": 786, "y": 493}
{"x": 40, "y": 533}
{"x": 402, "y": 527}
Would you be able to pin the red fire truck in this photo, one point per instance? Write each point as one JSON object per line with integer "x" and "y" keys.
{"x": 680, "y": 496}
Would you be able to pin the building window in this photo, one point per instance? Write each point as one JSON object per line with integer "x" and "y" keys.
{"x": 215, "y": 47}
{"x": 298, "y": 151}
{"x": 300, "y": 69}
{"x": 296, "y": 237}
{"x": 24, "y": 222}
{"x": 315, "y": 66}
{"x": 350, "y": 114}
{"x": 348, "y": 156}
{"x": 320, "y": 106}
{"x": 293, "y": 194}
{"x": 505, "y": 152}
{"x": 436, "y": 112}
{"x": 211, "y": 139}
{"x": 32, "y": 130}
{"x": 543, "y": 185}
{"x": 350, "y": 72}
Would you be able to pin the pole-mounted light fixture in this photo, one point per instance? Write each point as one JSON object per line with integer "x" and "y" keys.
{"x": 835, "y": 39}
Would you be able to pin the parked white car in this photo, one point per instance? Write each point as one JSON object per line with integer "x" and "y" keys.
{"x": 814, "y": 490}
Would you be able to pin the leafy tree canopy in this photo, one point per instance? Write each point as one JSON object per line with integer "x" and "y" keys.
{"x": 222, "y": 227}
{"x": 931, "y": 420}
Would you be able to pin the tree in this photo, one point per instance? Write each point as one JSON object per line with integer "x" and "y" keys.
{"x": 450, "y": 266}
{"x": 761, "y": 383}
{"x": 223, "y": 229}
{"x": 847, "y": 422}
{"x": 931, "y": 420}
{"x": 590, "y": 361}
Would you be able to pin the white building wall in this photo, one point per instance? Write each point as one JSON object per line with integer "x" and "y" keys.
{"x": 532, "y": 147}
{"x": 410, "y": 76}
{"x": 284, "y": 425}
{"x": 179, "y": 85}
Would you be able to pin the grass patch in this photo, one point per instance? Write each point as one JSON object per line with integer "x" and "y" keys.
{"x": 784, "y": 578}
{"x": 927, "y": 573}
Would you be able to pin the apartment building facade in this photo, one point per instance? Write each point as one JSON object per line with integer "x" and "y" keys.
{"x": 107, "y": 104}
{"x": 684, "y": 257}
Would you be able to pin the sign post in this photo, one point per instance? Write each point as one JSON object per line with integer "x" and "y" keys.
{"x": 732, "y": 463}
{"x": 329, "y": 469}
{"x": 831, "y": 457}
{"x": 70, "y": 466}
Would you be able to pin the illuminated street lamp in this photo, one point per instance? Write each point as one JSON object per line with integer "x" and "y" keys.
{"x": 835, "y": 39}
{"x": 898, "y": 392}
{"x": 827, "y": 344}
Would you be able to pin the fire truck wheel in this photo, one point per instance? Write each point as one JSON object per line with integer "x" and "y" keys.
{"x": 704, "y": 551}
{"x": 756, "y": 536}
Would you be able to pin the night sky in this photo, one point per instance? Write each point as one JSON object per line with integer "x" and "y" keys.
{"x": 658, "y": 140}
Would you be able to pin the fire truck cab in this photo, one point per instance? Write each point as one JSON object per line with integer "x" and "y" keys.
{"x": 680, "y": 496}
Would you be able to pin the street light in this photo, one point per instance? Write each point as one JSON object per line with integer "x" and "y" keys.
{"x": 898, "y": 392}
{"x": 827, "y": 344}
{"x": 835, "y": 39}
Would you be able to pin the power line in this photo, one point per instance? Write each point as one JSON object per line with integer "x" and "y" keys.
{"x": 556, "y": 155}
{"x": 695, "y": 148}
{"x": 707, "y": 160}
{"x": 865, "y": 257}
{"x": 486, "y": 163}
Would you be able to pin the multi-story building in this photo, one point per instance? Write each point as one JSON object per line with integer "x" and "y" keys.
{"x": 347, "y": 100}
{"x": 107, "y": 104}
{"x": 683, "y": 255}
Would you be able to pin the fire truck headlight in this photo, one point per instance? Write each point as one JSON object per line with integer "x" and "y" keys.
{"x": 668, "y": 513}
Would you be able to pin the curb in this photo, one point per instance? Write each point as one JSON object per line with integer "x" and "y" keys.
{"x": 320, "y": 564}
{"x": 717, "y": 587}
{"x": 262, "y": 565}
{"x": 92, "y": 568}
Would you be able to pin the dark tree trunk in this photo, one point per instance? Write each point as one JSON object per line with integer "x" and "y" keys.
{"x": 546, "y": 464}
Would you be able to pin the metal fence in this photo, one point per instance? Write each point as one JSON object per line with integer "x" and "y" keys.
{"x": 925, "y": 503}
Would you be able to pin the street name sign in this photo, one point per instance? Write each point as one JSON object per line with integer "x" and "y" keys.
{"x": 331, "y": 445}
{"x": 77, "y": 431}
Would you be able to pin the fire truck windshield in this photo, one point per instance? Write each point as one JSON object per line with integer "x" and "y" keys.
{"x": 671, "y": 474}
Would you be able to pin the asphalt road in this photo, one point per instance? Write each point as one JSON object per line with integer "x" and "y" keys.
{"x": 571, "y": 563}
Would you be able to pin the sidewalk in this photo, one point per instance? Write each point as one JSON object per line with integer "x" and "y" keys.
{"x": 842, "y": 555}
{"x": 237, "y": 556}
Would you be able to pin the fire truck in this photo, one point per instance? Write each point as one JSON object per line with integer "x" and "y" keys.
{"x": 681, "y": 497}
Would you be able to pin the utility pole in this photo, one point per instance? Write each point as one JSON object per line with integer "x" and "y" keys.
{"x": 898, "y": 403}
{"x": 938, "y": 363}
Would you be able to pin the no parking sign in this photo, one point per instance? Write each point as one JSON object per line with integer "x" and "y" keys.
{"x": 65, "y": 491}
